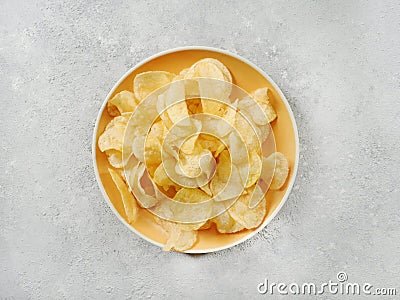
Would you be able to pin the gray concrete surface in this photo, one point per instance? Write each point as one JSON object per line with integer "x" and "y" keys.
{"x": 338, "y": 62}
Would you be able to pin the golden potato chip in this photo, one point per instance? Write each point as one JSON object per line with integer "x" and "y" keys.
{"x": 147, "y": 82}
{"x": 122, "y": 102}
{"x": 112, "y": 110}
{"x": 141, "y": 185}
{"x": 161, "y": 178}
{"x": 262, "y": 98}
{"x": 194, "y": 106}
{"x": 194, "y": 215}
{"x": 221, "y": 66}
{"x": 179, "y": 237}
{"x": 209, "y": 90}
{"x": 211, "y": 143}
{"x": 277, "y": 164}
{"x": 115, "y": 158}
{"x": 204, "y": 69}
{"x": 206, "y": 225}
{"x": 152, "y": 154}
{"x": 254, "y": 169}
{"x": 241, "y": 212}
{"x": 176, "y": 108}
{"x": 247, "y": 133}
{"x": 113, "y": 135}
{"x": 227, "y": 182}
{"x": 187, "y": 195}
{"x": 224, "y": 222}
{"x": 128, "y": 199}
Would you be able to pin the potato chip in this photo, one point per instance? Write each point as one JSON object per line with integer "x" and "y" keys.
{"x": 277, "y": 164}
{"x": 194, "y": 106}
{"x": 128, "y": 199}
{"x": 161, "y": 178}
{"x": 113, "y": 135}
{"x": 247, "y": 132}
{"x": 147, "y": 82}
{"x": 198, "y": 209}
{"x": 141, "y": 185}
{"x": 221, "y": 66}
{"x": 253, "y": 111}
{"x": 152, "y": 154}
{"x": 262, "y": 97}
{"x": 209, "y": 90}
{"x": 227, "y": 182}
{"x": 204, "y": 69}
{"x": 210, "y": 143}
{"x": 206, "y": 225}
{"x": 176, "y": 108}
{"x": 124, "y": 101}
{"x": 115, "y": 158}
{"x": 179, "y": 237}
{"x": 241, "y": 212}
{"x": 224, "y": 222}
{"x": 254, "y": 169}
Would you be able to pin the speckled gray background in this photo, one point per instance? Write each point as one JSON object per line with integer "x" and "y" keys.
{"x": 338, "y": 63}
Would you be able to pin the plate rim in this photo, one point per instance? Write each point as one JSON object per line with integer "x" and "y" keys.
{"x": 212, "y": 49}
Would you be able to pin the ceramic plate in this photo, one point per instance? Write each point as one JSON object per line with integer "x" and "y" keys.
{"x": 247, "y": 76}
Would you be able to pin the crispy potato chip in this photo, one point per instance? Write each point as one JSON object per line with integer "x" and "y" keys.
{"x": 247, "y": 133}
{"x": 262, "y": 97}
{"x": 186, "y": 195}
{"x": 221, "y": 66}
{"x": 241, "y": 212}
{"x": 152, "y": 154}
{"x": 179, "y": 237}
{"x": 115, "y": 158}
{"x": 224, "y": 222}
{"x": 147, "y": 82}
{"x": 199, "y": 212}
{"x": 194, "y": 106}
{"x": 122, "y": 102}
{"x": 128, "y": 199}
{"x": 204, "y": 69}
{"x": 140, "y": 183}
{"x": 254, "y": 169}
{"x": 227, "y": 182}
{"x": 277, "y": 164}
{"x": 209, "y": 90}
{"x": 211, "y": 143}
{"x": 206, "y": 225}
{"x": 113, "y": 135}
{"x": 161, "y": 178}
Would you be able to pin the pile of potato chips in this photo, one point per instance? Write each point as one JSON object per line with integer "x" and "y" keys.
{"x": 192, "y": 149}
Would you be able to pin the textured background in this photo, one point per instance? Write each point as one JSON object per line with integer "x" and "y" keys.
{"x": 338, "y": 63}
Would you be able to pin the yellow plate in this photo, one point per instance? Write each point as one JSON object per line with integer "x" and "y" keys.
{"x": 246, "y": 75}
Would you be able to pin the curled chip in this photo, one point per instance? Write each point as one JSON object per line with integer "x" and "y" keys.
{"x": 153, "y": 144}
{"x": 161, "y": 178}
{"x": 115, "y": 158}
{"x": 128, "y": 200}
{"x": 242, "y": 212}
{"x": 195, "y": 214}
{"x": 122, "y": 102}
{"x": 147, "y": 82}
{"x": 225, "y": 223}
{"x": 254, "y": 170}
{"x": 180, "y": 238}
{"x": 262, "y": 98}
{"x": 277, "y": 164}
{"x": 113, "y": 135}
